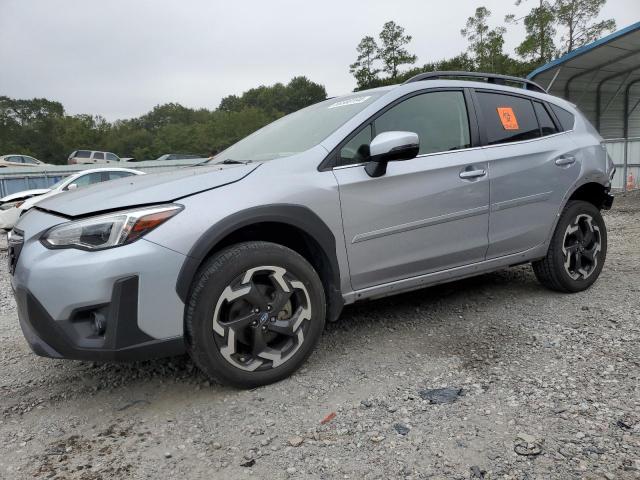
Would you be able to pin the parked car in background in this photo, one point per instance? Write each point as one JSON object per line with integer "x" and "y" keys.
{"x": 8, "y": 201}
{"x": 81, "y": 157}
{"x": 20, "y": 161}
{"x": 13, "y": 205}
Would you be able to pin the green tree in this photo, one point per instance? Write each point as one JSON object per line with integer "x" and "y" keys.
{"x": 392, "y": 51}
{"x": 278, "y": 98}
{"x": 166, "y": 114}
{"x": 485, "y": 43}
{"x": 538, "y": 45}
{"x": 578, "y": 19}
{"x": 302, "y": 92}
{"x": 476, "y": 31}
{"x": 363, "y": 68}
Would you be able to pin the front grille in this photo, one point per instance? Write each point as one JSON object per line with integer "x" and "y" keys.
{"x": 15, "y": 240}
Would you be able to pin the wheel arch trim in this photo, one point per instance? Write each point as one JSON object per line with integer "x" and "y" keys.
{"x": 565, "y": 200}
{"x": 299, "y": 217}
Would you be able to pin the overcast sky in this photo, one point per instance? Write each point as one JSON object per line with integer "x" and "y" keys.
{"x": 119, "y": 58}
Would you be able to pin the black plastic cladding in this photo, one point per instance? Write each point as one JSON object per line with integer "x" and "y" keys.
{"x": 295, "y": 215}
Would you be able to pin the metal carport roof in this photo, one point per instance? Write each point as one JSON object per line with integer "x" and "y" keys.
{"x": 603, "y": 80}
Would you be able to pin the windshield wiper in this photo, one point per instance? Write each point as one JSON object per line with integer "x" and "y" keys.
{"x": 227, "y": 161}
{"x": 230, "y": 161}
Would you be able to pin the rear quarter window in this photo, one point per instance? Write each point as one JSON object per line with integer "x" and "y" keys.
{"x": 83, "y": 154}
{"x": 507, "y": 118}
{"x": 565, "y": 118}
{"x": 547, "y": 125}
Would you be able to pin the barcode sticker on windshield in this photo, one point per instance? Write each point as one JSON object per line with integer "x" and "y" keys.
{"x": 350, "y": 101}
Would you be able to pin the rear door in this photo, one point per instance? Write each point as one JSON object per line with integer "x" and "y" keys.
{"x": 98, "y": 157}
{"x": 532, "y": 165}
{"x": 112, "y": 158}
{"x": 29, "y": 160}
{"x": 426, "y": 214}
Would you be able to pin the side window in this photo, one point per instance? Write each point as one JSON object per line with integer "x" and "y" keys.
{"x": 507, "y": 118}
{"x": 357, "y": 149}
{"x": 112, "y": 156}
{"x": 97, "y": 177}
{"x": 547, "y": 127}
{"x": 116, "y": 175}
{"x": 98, "y": 156}
{"x": 565, "y": 118}
{"x": 82, "y": 181}
{"x": 439, "y": 118}
{"x": 15, "y": 159}
{"x": 30, "y": 160}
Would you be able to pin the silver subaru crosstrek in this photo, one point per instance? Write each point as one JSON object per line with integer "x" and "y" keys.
{"x": 241, "y": 261}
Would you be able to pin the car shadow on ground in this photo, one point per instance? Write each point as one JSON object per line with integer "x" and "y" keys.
{"x": 443, "y": 306}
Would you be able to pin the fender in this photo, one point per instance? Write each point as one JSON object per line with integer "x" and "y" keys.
{"x": 569, "y": 193}
{"x": 297, "y": 216}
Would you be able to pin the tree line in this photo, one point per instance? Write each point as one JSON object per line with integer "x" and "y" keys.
{"x": 41, "y": 127}
{"x": 552, "y": 28}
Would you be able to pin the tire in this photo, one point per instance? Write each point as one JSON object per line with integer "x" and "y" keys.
{"x": 232, "y": 329}
{"x": 577, "y": 250}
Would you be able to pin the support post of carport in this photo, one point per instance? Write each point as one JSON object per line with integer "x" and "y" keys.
{"x": 625, "y": 130}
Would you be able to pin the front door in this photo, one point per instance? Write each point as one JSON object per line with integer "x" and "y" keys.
{"x": 426, "y": 214}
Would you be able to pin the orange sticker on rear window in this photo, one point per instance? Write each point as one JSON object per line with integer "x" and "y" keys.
{"x": 508, "y": 118}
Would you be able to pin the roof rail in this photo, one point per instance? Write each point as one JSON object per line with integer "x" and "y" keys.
{"x": 489, "y": 77}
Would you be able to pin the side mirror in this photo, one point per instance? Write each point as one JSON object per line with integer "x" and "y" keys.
{"x": 72, "y": 186}
{"x": 391, "y": 146}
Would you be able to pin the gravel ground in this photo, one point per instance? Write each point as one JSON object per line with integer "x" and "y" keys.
{"x": 541, "y": 385}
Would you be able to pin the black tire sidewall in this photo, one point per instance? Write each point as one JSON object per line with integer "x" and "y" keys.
{"x": 211, "y": 280}
{"x": 570, "y": 213}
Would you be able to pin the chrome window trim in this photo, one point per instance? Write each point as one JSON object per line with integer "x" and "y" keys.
{"x": 537, "y": 139}
{"x": 505, "y": 144}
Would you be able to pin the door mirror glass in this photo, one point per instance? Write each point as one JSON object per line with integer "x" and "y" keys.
{"x": 72, "y": 186}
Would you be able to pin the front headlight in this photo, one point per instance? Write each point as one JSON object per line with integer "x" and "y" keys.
{"x": 107, "y": 231}
{"x": 8, "y": 205}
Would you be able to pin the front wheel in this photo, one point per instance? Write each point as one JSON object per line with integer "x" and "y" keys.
{"x": 255, "y": 312}
{"x": 577, "y": 250}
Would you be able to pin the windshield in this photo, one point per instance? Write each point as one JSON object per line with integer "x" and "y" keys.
{"x": 300, "y": 130}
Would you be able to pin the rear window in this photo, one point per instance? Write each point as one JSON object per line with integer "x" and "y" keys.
{"x": 83, "y": 154}
{"x": 507, "y": 118}
{"x": 565, "y": 118}
{"x": 116, "y": 175}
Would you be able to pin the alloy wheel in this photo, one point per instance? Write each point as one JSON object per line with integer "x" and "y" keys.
{"x": 261, "y": 318}
{"x": 581, "y": 245}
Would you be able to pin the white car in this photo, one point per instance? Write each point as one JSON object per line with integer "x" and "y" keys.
{"x": 20, "y": 161}
{"x": 12, "y": 206}
{"x": 8, "y": 201}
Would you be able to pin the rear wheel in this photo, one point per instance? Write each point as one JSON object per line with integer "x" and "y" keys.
{"x": 577, "y": 250}
{"x": 255, "y": 312}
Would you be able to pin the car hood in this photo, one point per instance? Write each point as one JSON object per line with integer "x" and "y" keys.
{"x": 24, "y": 193}
{"x": 144, "y": 189}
